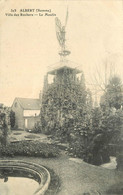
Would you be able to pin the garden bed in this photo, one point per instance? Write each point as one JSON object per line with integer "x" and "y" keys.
{"x": 30, "y": 148}
{"x": 17, "y": 133}
{"x": 32, "y": 136}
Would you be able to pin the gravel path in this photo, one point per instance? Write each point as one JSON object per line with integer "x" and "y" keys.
{"x": 24, "y": 135}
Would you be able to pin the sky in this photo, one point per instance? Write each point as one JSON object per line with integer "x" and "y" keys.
{"x": 28, "y": 44}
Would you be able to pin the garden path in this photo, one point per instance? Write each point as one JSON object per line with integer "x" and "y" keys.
{"x": 20, "y": 135}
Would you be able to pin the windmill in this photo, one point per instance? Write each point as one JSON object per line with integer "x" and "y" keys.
{"x": 60, "y": 34}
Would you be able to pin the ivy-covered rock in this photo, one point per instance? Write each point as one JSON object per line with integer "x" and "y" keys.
{"x": 65, "y": 105}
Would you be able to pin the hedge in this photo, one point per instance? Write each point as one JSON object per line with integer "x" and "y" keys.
{"x": 29, "y": 148}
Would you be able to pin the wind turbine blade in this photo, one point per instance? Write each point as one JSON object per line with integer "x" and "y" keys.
{"x": 66, "y": 18}
{"x": 58, "y": 23}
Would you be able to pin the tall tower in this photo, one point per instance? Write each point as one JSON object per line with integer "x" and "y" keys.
{"x": 64, "y": 94}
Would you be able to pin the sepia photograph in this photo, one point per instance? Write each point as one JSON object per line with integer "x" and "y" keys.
{"x": 61, "y": 97}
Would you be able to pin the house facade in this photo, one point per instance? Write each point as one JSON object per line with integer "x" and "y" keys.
{"x": 27, "y": 112}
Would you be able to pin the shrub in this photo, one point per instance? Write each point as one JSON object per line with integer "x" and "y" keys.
{"x": 92, "y": 144}
{"x": 37, "y": 128}
{"x": 31, "y": 136}
{"x": 12, "y": 119}
{"x": 3, "y": 128}
{"x": 32, "y": 148}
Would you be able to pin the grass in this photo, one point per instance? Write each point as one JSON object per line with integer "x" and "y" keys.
{"x": 55, "y": 183}
{"x": 116, "y": 189}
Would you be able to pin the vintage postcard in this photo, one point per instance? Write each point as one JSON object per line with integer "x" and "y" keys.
{"x": 61, "y": 97}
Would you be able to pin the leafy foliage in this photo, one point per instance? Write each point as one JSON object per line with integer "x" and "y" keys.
{"x": 4, "y": 122}
{"x": 32, "y": 148}
{"x": 12, "y": 118}
{"x": 68, "y": 115}
{"x": 113, "y": 97}
{"x": 113, "y": 100}
{"x": 64, "y": 105}
{"x": 93, "y": 144}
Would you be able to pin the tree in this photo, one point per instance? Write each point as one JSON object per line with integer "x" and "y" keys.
{"x": 111, "y": 104}
{"x": 113, "y": 96}
{"x": 101, "y": 128}
{"x": 64, "y": 104}
{"x": 3, "y": 129}
{"x": 12, "y": 118}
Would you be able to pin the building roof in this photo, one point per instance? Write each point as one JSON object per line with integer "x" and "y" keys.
{"x": 64, "y": 64}
{"x": 29, "y": 103}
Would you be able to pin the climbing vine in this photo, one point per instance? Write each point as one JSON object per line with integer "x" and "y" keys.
{"x": 64, "y": 106}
